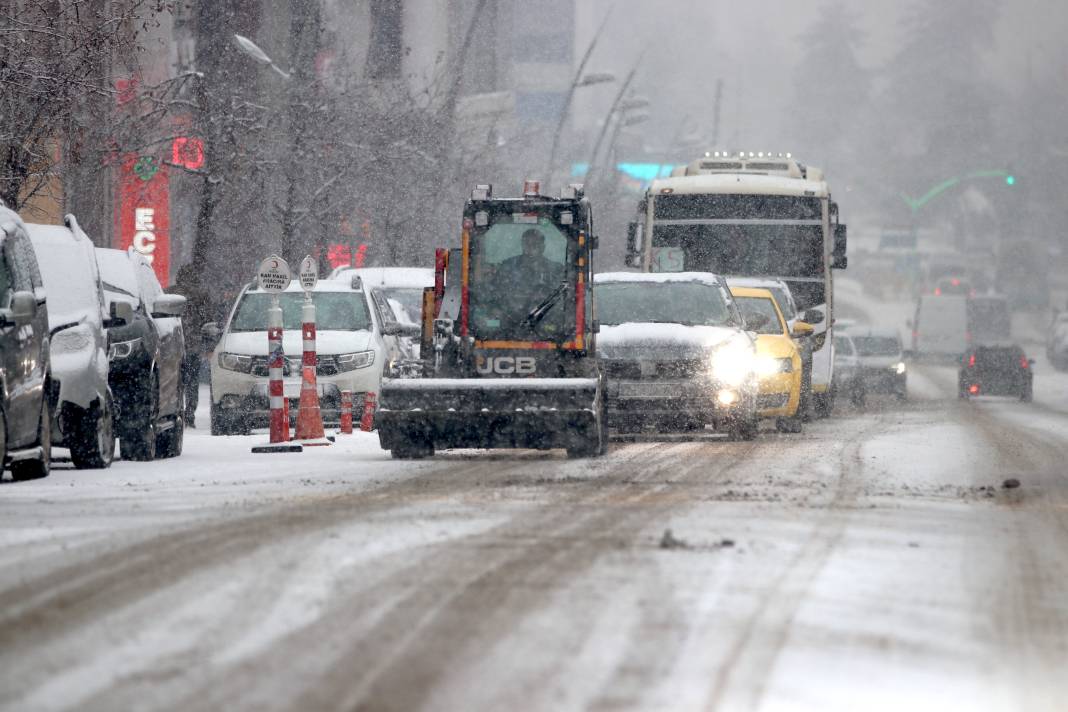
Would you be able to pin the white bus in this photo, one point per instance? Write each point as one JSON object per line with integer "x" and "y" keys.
{"x": 751, "y": 215}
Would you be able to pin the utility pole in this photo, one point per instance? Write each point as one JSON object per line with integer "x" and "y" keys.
{"x": 717, "y": 103}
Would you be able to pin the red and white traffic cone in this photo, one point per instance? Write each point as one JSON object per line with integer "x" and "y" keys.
{"x": 345, "y": 413}
{"x": 370, "y": 404}
{"x": 309, "y": 417}
{"x": 279, "y": 414}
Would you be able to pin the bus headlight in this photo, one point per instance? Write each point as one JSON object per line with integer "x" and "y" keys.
{"x": 732, "y": 363}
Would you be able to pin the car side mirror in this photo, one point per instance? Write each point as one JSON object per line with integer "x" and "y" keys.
{"x": 813, "y": 317}
{"x": 755, "y": 322}
{"x": 119, "y": 314}
{"x": 801, "y": 329}
{"x": 211, "y": 332}
{"x": 23, "y": 307}
{"x": 168, "y": 305}
{"x": 411, "y": 331}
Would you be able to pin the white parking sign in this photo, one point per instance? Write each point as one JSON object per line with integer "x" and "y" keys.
{"x": 274, "y": 275}
{"x": 309, "y": 273}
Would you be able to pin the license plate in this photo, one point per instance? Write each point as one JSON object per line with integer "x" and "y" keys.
{"x": 649, "y": 390}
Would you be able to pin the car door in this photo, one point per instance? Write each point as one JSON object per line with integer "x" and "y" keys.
{"x": 393, "y": 343}
{"x": 20, "y": 355}
{"x": 168, "y": 332}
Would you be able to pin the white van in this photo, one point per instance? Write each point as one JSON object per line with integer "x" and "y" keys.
{"x": 940, "y": 327}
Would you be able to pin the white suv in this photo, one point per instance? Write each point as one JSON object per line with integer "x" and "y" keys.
{"x": 349, "y": 342}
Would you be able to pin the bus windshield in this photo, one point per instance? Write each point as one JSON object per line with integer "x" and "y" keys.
{"x": 741, "y": 249}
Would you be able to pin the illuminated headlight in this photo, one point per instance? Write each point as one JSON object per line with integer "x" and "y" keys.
{"x": 122, "y": 349}
{"x": 732, "y": 363}
{"x": 351, "y": 362}
{"x": 769, "y": 366}
{"x": 235, "y": 362}
{"x": 900, "y": 367}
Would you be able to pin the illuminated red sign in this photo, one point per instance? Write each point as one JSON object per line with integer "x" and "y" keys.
{"x": 344, "y": 256}
{"x": 142, "y": 212}
{"x": 188, "y": 152}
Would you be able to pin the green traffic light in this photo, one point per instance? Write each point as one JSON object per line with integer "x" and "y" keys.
{"x": 1010, "y": 180}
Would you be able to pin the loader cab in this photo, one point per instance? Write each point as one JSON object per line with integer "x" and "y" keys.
{"x": 526, "y": 271}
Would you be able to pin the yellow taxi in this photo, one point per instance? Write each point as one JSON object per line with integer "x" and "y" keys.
{"x": 778, "y": 360}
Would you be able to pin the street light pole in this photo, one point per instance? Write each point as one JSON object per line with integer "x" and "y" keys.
{"x": 608, "y": 119}
{"x": 575, "y": 84}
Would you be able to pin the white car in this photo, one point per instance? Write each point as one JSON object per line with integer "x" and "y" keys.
{"x": 83, "y": 406}
{"x": 349, "y": 342}
{"x": 398, "y": 295}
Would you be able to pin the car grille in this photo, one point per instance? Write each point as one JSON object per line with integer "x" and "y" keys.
{"x": 655, "y": 370}
{"x": 291, "y": 366}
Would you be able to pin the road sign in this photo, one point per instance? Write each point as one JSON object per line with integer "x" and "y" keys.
{"x": 274, "y": 275}
{"x": 309, "y": 273}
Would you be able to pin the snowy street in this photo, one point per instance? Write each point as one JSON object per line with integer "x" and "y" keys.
{"x": 875, "y": 562}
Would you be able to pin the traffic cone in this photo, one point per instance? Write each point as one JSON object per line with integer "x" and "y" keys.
{"x": 285, "y": 423}
{"x": 345, "y": 413}
{"x": 309, "y": 418}
{"x": 370, "y": 403}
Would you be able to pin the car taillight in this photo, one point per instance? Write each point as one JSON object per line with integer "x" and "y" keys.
{"x": 938, "y": 291}
{"x": 973, "y": 389}
{"x": 971, "y": 361}
{"x": 1023, "y": 362}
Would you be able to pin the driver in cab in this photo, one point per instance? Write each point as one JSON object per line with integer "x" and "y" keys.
{"x": 529, "y": 277}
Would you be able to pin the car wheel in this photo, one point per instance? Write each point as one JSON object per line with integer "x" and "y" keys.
{"x": 169, "y": 442}
{"x": 223, "y": 423}
{"x": 789, "y": 425}
{"x": 36, "y": 469}
{"x": 92, "y": 445}
{"x": 138, "y": 439}
{"x": 1028, "y": 393}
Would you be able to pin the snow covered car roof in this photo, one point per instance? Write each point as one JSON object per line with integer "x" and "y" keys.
{"x": 705, "y": 277}
{"x": 739, "y": 184}
{"x": 413, "y": 277}
{"x": 117, "y": 271}
{"x": 67, "y": 260}
{"x": 758, "y": 282}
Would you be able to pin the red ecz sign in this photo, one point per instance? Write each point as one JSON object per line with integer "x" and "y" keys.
{"x": 142, "y": 212}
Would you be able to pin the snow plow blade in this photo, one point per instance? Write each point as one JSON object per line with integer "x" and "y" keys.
{"x": 539, "y": 413}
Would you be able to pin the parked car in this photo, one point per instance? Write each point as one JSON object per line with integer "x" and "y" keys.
{"x": 25, "y": 373}
{"x": 880, "y": 361}
{"x": 778, "y": 358}
{"x": 145, "y": 358}
{"x": 997, "y": 371}
{"x": 350, "y": 344}
{"x": 848, "y": 380}
{"x": 676, "y": 353}
{"x": 81, "y": 399}
{"x": 398, "y": 296}
{"x": 940, "y": 327}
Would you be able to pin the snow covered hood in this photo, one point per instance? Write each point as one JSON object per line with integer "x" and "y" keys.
{"x": 399, "y": 277}
{"x": 327, "y": 343}
{"x": 660, "y": 341}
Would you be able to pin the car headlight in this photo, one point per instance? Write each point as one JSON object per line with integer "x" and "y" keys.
{"x": 900, "y": 367}
{"x": 770, "y": 366}
{"x": 353, "y": 361}
{"x": 122, "y": 349}
{"x": 235, "y": 362}
{"x": 732, "y": 363}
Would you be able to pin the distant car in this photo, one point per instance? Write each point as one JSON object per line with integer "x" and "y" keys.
{"x": 940, "y": 327}
{"x": 953, "y": 286}
{"x": 398, "y": 295}
{"x": 675, "y": 353}
{"x": 25, "y": 372}
{"x": 82, "y": 418}
{"x": 997, "y": 371}
{"x": 778, "y": 359}
{"x": 351, "y": 353}
{"x": 847, "y": 375}
{"x": 145, "y": 357}
{"x": 880, "y": 361}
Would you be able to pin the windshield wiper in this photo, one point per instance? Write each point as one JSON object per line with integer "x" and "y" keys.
{"x": 538, "y": 313}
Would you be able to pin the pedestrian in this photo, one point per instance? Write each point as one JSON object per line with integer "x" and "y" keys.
{"x": 197, "y": 313}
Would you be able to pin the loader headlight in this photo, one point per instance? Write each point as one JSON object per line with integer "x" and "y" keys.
{"x": 900, "y": 367}
{"x": 353, "y": 361}
{"x": 732, "y": 363}
{"x": 235, "y": 362}
{"x": 770, "y": 366}
{"x": 122, "y": 349}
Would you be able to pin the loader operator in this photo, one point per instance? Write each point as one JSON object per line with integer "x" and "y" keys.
{"x": 528, "y": 277}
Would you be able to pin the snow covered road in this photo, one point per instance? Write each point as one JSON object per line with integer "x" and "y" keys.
{"x": 874, "y": 562}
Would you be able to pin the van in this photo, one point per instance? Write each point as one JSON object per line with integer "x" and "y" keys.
{"x": 940, "y": 327}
